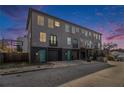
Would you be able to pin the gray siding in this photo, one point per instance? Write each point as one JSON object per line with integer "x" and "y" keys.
{"x": 60, "y": 32}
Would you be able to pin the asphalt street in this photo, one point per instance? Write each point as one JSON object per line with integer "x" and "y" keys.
{"x": 50, "y": 77}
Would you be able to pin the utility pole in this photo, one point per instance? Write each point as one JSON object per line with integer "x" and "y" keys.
{"x": 2, "y": 40}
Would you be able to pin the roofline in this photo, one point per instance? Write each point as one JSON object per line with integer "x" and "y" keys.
{"x": 34, "y": 10}
{"x": 28, "y": 18}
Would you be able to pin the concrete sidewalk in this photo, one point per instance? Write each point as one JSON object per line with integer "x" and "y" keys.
{"x": 57, "y": 64}
{"x": 110, "y": 77}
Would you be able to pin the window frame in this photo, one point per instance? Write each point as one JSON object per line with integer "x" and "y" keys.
{"x": 75, "y": 44}
{"x": 77, "y": 29}
{"x": 73, "y": 29}
{"x": 53, "y": 40}
{"x": 86, "y": 33}
{"x": 40, "y": 20}
{"x": 42, "y": 37}
{"x": 50, "y": 23}
{"x": 69, "y": 41}
{"x": 99, "y": 37}
{"x": 82, "y": 31}
{"x": 67, "y": 28}
{"x": 89, "y": 33}
{"x": 57, "y": 23}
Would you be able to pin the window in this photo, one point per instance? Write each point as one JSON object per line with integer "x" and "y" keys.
{"x": 57, "y": 23}
{"x": 40, "y": 20}
{"x": 86, "y": 33}
{"x": 99, "y": 37}
{"x": 90, "y": 44}
{"x": 75, "y": 43}
{"x": 89, "y": 33}
{"x": 85, "y": 43}
{"x": 68, "y": 40}
{"x": 73, "y": 29}
{"x": 50, "y": 23}
{"x": 42, "y": 37}
{"x": 66, "y": 27}
{"x": 77, "y": 29}
{"x": 82, "y": 31}
{"x": 99, "y": 45}
{"x": 81, "y": 39}
{"x": 53, "y": 40}
{"x": 96, "y": 36}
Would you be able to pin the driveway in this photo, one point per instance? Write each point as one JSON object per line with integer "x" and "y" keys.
{"x": 50, "y": 77}
{"x": 111, "y": 77}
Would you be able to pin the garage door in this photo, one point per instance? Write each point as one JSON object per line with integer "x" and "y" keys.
{"x": 52, "y": 55}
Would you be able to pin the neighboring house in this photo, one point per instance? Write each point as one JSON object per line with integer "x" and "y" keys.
{"x": 118, "y": 55}
{"x": 9, "y": 45}
{"x": 24, "y": 46}
{"x": 54, "y": 39}
{"x": 121, "y": 57}
{"x": 115, "y": 53}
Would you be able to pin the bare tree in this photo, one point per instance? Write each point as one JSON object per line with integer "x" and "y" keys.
{"x": 107, "y": 47}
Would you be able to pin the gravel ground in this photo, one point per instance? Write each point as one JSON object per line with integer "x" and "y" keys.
{"x": 50, "y": 77}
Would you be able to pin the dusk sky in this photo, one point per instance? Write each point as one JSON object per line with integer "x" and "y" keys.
{"x": 109, "y": 20}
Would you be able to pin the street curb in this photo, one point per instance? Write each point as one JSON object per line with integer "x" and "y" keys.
{"x": 10, "y": 73}
{"x": 35, "y": 69}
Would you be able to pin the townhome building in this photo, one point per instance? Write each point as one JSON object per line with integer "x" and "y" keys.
{"x": 53, "y": 39}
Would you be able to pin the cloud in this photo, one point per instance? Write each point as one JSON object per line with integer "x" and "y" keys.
{"x": 115, "y": 30}
{"x": 13, "y": 32}
{"x": 119, "y": 36}
{"x": 111, "y": 32}
{"x": 15, "y": 29}
{"x": 120, "y": 29}
{"x": 12, "y": 11}
{"x": 17, "y": 16}
{"x": 17, "y": 11}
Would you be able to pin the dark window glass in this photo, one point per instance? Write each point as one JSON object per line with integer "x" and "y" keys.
{"x": 75, "y": 43}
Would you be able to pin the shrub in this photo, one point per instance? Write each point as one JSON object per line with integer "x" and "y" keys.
{"x": 110, "y": 58}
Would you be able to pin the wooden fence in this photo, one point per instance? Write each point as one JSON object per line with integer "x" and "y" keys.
{"x": 14, "y": 57}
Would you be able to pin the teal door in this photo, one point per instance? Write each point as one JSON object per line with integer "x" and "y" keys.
{"x": 69, "y": 55}
{"x": 42, "y": 55}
